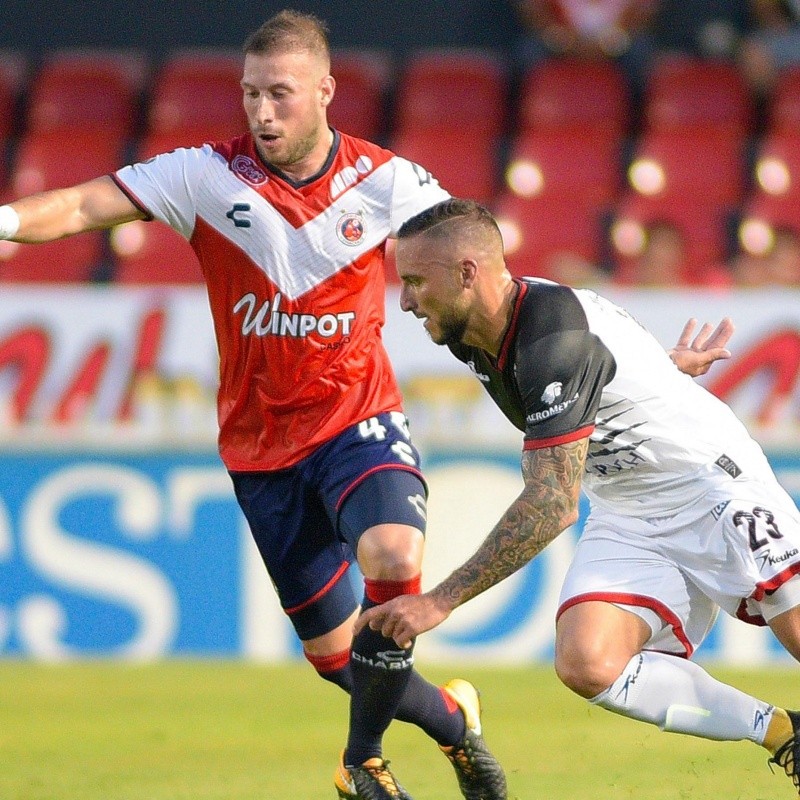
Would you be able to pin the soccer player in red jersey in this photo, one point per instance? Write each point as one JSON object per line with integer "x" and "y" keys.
{"x": 289, "y": 222}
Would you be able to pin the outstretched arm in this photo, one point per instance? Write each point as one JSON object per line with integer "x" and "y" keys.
{"x": 547, "y": 505}
{"x": 695, "y": 357}
{"x": 97, "y": 204}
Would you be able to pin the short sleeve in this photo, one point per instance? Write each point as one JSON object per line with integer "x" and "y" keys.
{"x": 414, "y": 190}
{"x": 561, "y": 378}
{"x": 165, "y": 185}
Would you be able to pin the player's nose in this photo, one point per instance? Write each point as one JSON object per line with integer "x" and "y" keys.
{"x": 407, "y": 301}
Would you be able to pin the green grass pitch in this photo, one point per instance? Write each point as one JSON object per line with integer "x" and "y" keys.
{"x": 236, "y": 731}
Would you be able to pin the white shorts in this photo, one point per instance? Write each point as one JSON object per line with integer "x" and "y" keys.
{"x": 739, "y": 550}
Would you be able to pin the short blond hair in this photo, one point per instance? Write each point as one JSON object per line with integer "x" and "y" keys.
{"x": 290, "y": 31}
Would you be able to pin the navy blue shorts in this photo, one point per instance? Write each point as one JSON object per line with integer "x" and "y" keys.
{"x": 306, "y": 520}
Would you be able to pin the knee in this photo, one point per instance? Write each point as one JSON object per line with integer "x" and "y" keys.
{"x": 587, "y": 670}
{"x": 391, "y": 552}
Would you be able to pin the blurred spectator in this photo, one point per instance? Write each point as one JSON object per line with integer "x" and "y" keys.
{"x": 773, "y": 45}
{"x": 705, "y": 28}
{"x": 574, "y": 270}
{"x": 610, "y": 29}
{"x": 778, "y": 266}
{"x": 663, "y": 261}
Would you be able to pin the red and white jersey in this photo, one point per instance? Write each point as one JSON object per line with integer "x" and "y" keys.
{"x": 295, "y": 277}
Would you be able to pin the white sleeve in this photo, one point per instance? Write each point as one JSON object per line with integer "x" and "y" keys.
{"x": 166, "y": 185}
{"x": 414, "y": 190}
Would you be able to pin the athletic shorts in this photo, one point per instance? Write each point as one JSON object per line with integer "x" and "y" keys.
{"x": 306, "y": 520}
{"x": 739, "y": 551}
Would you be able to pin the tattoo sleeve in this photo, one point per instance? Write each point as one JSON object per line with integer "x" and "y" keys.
{"x": 547, "y": 505}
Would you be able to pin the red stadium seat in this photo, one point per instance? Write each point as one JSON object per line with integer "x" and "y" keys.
{"x": 685, "y": 93}
{"x": 689, "y": 166}
{"x": 463, "y": 164}
{"x": 783, "y": 112}
{"x": 537, "y": 230}
{"x": 12, "y": 76}
{"x": 703, "y": 225}
{"x": 69, "y": 260}
{"x": 452, "y": 90}
{"x": 153, "y": 253}
{"x": 52, "y": 160}
{"x": 362, "y": 82}
{"x": 572, "y": 95}
{"x": 87, "y": 90}
{"x": 761, "y": 215}
{"x": 777, "y": 165}
{"x": 199, "y": 93}
{"x": 563, "y": 166}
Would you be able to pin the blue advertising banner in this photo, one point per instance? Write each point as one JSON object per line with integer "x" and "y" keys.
{"x": 145, "y": 555}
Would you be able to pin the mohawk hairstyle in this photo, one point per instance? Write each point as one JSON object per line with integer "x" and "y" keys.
{"x": 289, "y": 30}
{"x": 450, "y": 210}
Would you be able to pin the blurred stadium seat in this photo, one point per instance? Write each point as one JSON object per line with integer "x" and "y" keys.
{"x": 777, "y": 165}
{"x": 69, "y": 260}
{"x": 81, "y": 156}
{"x": 362, "y": 83}
{"x": 52, "y": 160}
{"x": 689, "y": 166}
{"x": 198, "y": 93}
{"x": 783, "y": 108}
{"x": 87, "y": 90}
{"x": 463, "y": 164}
{"x": 572, "y": 95}
{"x": 761, "y": 215}
{"x": 686, "y": 93}
{"x": 564, "y": 165}
{"x": 538, "y": 230}
{"x": 461, "y": 90}
{"x": 13, "y": 69}
{"x": 152, "y": 253}
{"x": 704, "y": 228}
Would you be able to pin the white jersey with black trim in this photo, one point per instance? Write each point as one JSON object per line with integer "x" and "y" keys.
{"x": 573, "y": 364}
{"x": 296, "y": 285}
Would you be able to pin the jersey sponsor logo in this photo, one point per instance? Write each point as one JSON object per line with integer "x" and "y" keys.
{"x": 479, "y": 375}
{"x": 237, "y": 215}
{"x": 767, "y": 559}
{"x": 269, "y": 319}
{"x": 729, "y": 465}
{"x": 551, "y": 392}
{"x": 540, "y": 416}
{"x": 248, "y": 170}
{"x": 350, "y": 229}
{"x": 349, "y": 176}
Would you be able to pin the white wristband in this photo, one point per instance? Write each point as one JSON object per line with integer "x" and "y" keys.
{"x": 9, "y": 222}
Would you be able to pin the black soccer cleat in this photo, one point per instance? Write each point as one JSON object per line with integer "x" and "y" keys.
{"x": 787, "y": 755}
{"x": 373, "y": 780}
{"x": 480, "y": 776}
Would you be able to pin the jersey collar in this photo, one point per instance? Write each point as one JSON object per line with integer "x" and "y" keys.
{"x": 510, "y": 332}
{"x": 306, "y": 181}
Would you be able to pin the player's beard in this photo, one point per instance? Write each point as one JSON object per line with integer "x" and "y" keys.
{"x": 452, "y": 328}
{"x": 295, "y": 151}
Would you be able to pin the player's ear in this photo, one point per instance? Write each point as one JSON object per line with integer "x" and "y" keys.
{"x": 468, "y": 273}
{"x": 327, "y": 88}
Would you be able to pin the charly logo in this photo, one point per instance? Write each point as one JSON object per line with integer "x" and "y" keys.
{"x": 248, "y": 170}
{"x": 350, "y": 229}
{"x": 551, "y": 392}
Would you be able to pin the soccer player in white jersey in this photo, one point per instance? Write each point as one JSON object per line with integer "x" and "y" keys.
{"x": 686, "y": 515}
{"x": 289, "y": 222}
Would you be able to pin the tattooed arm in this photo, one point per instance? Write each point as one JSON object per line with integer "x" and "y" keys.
{"x": 547, "y": 505}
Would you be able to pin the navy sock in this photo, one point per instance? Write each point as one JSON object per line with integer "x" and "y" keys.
{"x": 380, "y": 672}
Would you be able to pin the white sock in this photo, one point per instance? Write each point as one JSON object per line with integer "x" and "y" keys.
{"x": 679, "y": 696}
